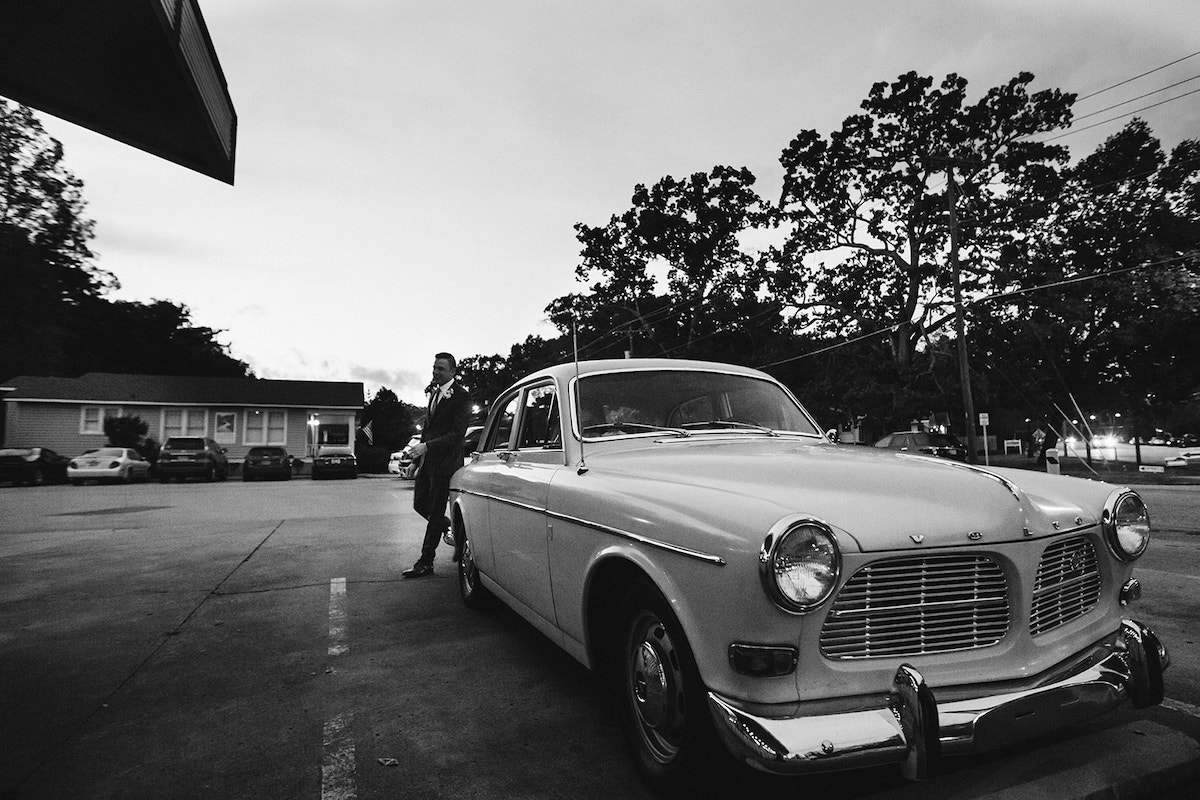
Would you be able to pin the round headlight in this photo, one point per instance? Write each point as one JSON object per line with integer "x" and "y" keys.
{"x": 799, "y": 564}
{"x": 1126, "y": 524}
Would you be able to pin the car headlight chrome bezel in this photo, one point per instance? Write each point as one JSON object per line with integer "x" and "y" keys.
{"x": 1126, "y": 524}
{"x": 800, "y": 564}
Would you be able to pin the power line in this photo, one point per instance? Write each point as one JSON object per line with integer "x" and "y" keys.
{"x": 1120, "y": 116}
{"x": 1135, "y": 99}
{"x": 1136, "y": 77}
{"x": 998, "y": 296}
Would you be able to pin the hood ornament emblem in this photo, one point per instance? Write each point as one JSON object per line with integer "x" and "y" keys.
{"x": 974, "y": 536}
{"x": 917, "y": 537}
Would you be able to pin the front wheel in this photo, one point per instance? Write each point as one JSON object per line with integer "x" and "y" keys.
{"x": 662, "y": 700}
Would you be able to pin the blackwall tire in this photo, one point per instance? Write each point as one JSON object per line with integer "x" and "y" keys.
{"x": 470, "y": 588}
{"x": 662, "y": 702}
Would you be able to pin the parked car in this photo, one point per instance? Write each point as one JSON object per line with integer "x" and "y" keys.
{"x": 267, "y": 462}
{"x": 752, "y": 590}
{"x": 32, "y": 466}
{"x": 192, "y": 457}
{"x": 334, "y": 459}
{"x": 122, "y": 464}
{"x": 1185, "y": 440}
{"x": 942, "y": 445}
{"x": 408, "y": 465}
{"x": 471, "y": 442}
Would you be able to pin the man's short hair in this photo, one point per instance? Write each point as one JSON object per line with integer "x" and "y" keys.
{"x": 448, "y": 357}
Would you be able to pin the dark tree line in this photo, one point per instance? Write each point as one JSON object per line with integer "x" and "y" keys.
{"x": 1080, "y": 282}
{"x": 54, "y": 317}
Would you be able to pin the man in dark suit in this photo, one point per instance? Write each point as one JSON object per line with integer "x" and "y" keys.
{"x": 441, "y": 453}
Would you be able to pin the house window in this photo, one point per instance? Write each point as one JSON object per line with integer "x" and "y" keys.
{"x": 91, "y": 418}
{"x": 184, "y": 422}
{"x": 265, "y": 426}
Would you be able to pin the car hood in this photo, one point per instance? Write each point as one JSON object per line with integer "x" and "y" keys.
{"x": 883, "y": 500}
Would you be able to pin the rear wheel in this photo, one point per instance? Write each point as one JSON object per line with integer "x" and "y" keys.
{"x": 662, "y": 700}
{"x": 472, "y": 591}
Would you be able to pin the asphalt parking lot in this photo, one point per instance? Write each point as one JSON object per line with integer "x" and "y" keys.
{"x": 255, "y": 640}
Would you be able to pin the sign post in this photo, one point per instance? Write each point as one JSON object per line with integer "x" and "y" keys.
{"x": 983, "y": 422}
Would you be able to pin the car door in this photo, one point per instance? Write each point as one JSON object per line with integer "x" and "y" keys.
{"x": 520, "y": 486}
{"x": 475, "y": 480}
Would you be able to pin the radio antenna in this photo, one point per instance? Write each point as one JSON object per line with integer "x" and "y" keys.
{"x": 578, "y": 410}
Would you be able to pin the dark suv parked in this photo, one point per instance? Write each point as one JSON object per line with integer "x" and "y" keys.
{"x": 192, "y": 456}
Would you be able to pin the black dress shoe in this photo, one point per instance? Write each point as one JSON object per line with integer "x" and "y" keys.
{"x": 418, "y": 570}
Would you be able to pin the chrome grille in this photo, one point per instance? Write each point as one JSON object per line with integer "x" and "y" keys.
{"x": 914, "y": 605}
{"x": 1067, "y": 585}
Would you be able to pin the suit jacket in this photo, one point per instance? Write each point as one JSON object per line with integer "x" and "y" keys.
{"x": 444, "y": 432}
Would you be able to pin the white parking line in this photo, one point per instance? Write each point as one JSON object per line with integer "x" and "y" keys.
{"x": 338, "y": 643}
{"x": 1179, "y": 705}
{"x": 337, "y": 773}
{"x": 1171, "y": 574}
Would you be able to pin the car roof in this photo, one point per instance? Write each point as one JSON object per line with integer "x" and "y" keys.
{"x": 570, "y": 369}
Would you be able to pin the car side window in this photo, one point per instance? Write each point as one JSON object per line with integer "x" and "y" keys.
{"x": 501, "y": 432}
{"x": 540, "y": 426}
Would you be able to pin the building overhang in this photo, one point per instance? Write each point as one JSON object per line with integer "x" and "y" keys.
{"x": 143, "y": 72}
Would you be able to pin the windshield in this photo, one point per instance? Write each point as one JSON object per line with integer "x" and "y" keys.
{"x": 184, "y": 443}
{"x": 685, "y": 402}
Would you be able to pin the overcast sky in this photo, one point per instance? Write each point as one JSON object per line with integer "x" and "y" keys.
{"x": 409, "y": 173}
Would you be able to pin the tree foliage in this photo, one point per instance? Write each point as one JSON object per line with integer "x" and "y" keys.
{"x": 54, "y": 319}
{"x": 392, "y": 421}
{"x": 851, "y": 307}
{"x": 670, "y": 275}
{"x": 129, "y": 431}
{"x": 1106, "y": 305}
{"x": 867, "y": 206}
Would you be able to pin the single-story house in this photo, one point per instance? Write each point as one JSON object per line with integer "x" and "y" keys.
{"x": 67, "y": 414}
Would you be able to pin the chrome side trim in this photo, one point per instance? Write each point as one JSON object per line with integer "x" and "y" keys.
{"x": 909, "y": 726}
{"x": 707, "y": 558}
{"x": 1012, "y": 487}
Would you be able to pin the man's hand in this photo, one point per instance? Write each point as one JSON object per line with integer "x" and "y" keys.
{"x": 419, "y": 449}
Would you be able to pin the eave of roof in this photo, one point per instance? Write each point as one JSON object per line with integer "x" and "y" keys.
{"x": 143, "y": 72}
{"x": 108, "y": 387}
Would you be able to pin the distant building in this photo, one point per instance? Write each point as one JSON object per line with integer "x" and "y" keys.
{"x": 67, "y": 414}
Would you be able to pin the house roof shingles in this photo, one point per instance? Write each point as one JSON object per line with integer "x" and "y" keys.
{"x": 105, "y": 387}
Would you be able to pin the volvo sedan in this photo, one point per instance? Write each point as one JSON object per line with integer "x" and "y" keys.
{"x": 755, "y": 594}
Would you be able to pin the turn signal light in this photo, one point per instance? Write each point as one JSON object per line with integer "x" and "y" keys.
{"x": 763, "y": 660}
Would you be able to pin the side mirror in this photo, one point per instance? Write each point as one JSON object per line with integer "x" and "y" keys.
{"x": 834, "y": 435}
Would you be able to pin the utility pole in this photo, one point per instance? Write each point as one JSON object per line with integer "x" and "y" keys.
{"x": 960, "y": 325}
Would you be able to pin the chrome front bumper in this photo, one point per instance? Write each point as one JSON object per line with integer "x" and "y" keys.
{"x": 913, "y": 729}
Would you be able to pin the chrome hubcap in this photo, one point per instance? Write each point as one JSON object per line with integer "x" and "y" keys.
{"x": 655, "y": 686}
{"x": 466, "y": 567}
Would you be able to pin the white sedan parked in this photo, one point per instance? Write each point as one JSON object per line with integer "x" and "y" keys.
{"x": 108, "y": 464}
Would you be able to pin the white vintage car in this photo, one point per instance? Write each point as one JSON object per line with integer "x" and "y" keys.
{"x": 687, "y": 530}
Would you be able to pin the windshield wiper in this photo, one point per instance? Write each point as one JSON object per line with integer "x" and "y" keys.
{"x": 631, "y": 427}
{"x": 729, "y": 423}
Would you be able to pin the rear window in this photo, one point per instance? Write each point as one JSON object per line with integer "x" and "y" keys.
{"x": 184, "y": 443}
{"x": 265, "y": 451}
{"x": 934, "y": 440}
